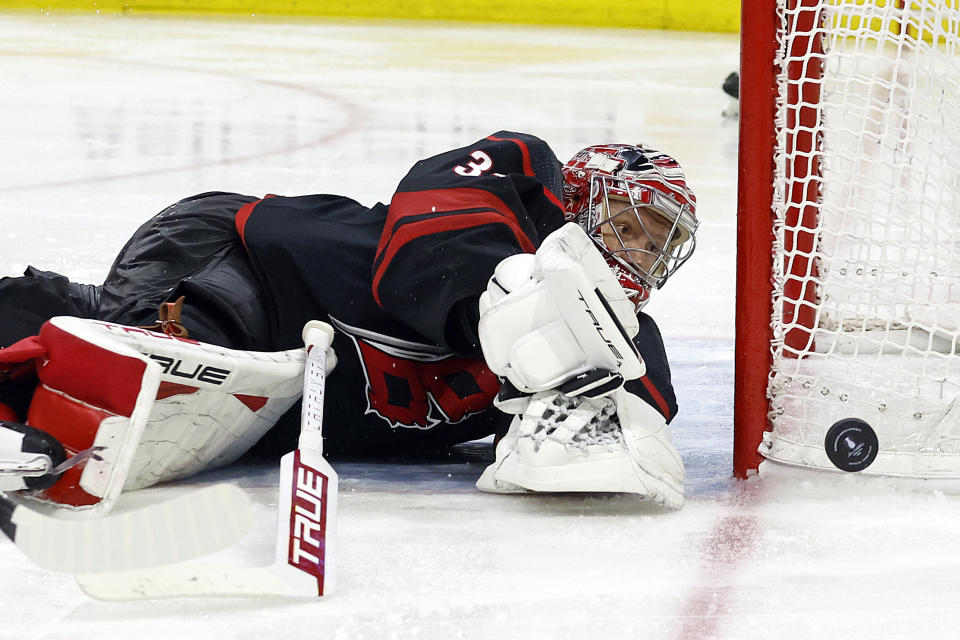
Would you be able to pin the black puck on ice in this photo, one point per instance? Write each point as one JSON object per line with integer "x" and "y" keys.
{"x": 851, "y": 444}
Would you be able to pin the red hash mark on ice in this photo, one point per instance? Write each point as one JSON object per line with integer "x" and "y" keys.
{"x": 724, "y": 552}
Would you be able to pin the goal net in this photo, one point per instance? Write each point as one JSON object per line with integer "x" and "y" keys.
{"x": 850, "y": 205}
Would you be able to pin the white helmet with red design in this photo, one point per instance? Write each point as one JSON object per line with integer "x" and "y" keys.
{"x": 635, "y": 203}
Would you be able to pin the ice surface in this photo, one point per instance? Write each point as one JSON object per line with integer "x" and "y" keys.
{"x": 108, "y": 119}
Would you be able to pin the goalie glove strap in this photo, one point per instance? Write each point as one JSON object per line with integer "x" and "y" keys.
{"x": 592, "y": 384}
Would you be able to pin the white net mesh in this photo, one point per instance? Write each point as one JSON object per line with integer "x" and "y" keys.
{"x": 867, "y": 228}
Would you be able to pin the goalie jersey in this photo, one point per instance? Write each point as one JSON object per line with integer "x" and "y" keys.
{"x": 400, "y": 283}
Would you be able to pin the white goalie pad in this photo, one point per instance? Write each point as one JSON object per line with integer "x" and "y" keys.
{"x": 560, "y": 314}
{"x": 199, "y": 406}
{"x": 212, "y": 404}
{"x": 305, "y": 553}
{"x": 86, "y": 381}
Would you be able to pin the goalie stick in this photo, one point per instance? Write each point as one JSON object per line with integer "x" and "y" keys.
{"x": 194, "y": 524}
{"x": 306, "y": 527}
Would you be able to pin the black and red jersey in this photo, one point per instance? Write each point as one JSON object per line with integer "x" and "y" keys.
{"x": 400, "y": 283}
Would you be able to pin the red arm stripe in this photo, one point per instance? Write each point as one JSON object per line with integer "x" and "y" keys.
{"x": 412, "y": 203}
{"x": 524, "y": 151}
{"x": 528, "y": 167}
{"x": 552, "y": 198}
{"x": 243, "y": 214}
{"x": 413, "y": 230}
{"x": 657, "y": 397}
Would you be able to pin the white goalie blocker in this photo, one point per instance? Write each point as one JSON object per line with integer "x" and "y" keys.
{"x": 150, "y": 407}
{"x": 560, "y": 319}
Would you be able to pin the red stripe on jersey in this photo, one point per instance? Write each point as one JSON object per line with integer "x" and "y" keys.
{"x": 524, "y": 151}
{"x": 657, "y": 397}
{"x": 528, "y": 167}
{"x": 413, "y": 230}
{"x": 412, "y": 203}
{"x": 552, "y": 198}
{"x": 243, "y": 214}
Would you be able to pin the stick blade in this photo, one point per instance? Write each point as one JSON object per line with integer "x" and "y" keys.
{"x": 304, "y": 555}
{"x": 190, "y": 580}
{"x": 307, "y": 525}
{"x": 194, "y": 524}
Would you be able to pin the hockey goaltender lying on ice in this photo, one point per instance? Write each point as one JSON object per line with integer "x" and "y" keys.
{"x": 523, "y": 320}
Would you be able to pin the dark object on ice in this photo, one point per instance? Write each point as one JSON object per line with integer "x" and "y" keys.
{"x": 851, "y": 444}
{"x": 731, "y": 86}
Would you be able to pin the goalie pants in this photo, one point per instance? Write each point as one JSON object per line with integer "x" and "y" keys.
{"x": 189, "y": 249}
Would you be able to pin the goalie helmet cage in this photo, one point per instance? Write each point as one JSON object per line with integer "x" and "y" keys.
{"x": 848, "y": 265}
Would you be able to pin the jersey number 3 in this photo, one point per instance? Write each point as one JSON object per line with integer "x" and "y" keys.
{"x": 481, "y": 163}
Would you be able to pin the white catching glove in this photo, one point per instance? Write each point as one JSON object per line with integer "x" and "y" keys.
{"x": 617, "y": 444}
{"x": 559, "y": 319}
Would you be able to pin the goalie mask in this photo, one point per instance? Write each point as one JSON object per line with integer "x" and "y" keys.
{"x": 635, "y": 204}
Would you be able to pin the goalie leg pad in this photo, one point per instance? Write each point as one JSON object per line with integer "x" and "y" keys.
{"x": 187, "y": 406}
{"x": 212, "y": 403}
{"x": 84, "y": 381}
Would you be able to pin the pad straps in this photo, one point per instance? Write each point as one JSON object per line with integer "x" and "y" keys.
{"x": 168, "y": 320}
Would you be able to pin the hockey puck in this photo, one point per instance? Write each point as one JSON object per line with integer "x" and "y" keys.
{"x": 851, "y": 444}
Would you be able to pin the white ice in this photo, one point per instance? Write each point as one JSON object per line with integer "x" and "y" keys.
{"x": 105, "y": 120}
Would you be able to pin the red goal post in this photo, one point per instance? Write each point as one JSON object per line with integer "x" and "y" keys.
{"x": 758, "y": 45}
{"x": 848, "y": 258}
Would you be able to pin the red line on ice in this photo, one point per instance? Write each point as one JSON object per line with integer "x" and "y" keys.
{"x": 729, "y": 544}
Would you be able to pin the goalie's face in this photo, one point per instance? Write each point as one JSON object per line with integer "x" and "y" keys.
{"x": 637, "y": 235}
{"x": 644, "y": 233}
